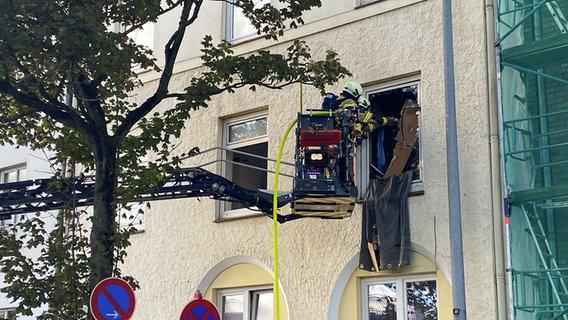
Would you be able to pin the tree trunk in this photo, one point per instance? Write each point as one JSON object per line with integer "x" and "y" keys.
{"x": 103, "y": 222}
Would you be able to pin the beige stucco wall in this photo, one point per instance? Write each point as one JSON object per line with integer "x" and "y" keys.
{"x": 390, "y": 41}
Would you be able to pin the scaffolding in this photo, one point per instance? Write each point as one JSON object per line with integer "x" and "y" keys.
{"x": 533, "y": 44}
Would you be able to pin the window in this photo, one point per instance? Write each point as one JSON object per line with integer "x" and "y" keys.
{"x": 411, "y": 298}
{"x": 143, "y": 36}
{"x": 13, "y": 174}
{"x": 241, "y": 287}
{"x": 376, "y": 152}
{"x": 7, "y": 175}
{"x": 255, "y": 303}
{"x": 8, "y": 314}
{"x": 246, "y": 142}
{"x": 239, "y": 28}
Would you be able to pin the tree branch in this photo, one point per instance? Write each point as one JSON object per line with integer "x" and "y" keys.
{"x": 171, "y": 52}
{"x": 59, "y": 112}
{"x": 93, "y": 110}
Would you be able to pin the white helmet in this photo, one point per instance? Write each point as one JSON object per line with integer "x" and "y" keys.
{"x": 364, "y": 102}
{"x": 353, "y": 88}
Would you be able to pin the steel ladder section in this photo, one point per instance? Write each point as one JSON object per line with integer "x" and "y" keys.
{"x": 545, "y": 253}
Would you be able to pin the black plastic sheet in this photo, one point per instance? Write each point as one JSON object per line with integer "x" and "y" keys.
{"x": 385, "y": 236}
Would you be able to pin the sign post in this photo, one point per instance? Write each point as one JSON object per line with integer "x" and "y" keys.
{"x": 200, "y": 309}
{"x": 112, "y": 299}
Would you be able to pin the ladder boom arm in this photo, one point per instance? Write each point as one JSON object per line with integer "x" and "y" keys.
{"x": 52, "y": 194}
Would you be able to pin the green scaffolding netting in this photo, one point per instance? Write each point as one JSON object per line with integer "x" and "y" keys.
{"x": 533, "y": 42}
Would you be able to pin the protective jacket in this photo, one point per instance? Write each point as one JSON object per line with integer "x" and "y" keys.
{"x": 363, "y": 121}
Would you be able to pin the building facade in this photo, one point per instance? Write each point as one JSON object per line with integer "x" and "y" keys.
{"x": 394, "y": 49}
{"x": 511, "y": 81}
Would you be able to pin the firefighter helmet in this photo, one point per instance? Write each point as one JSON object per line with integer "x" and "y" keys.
{"x": 353, "y": 88}
{"x": 364, "y": 103}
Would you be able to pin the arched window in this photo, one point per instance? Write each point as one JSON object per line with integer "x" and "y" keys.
{"x": 419, "y": 291}
{"x": 242, "y": 288}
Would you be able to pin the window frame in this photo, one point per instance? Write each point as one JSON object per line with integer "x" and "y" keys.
{"x": 250, "y": 299}
{"x": 8, "y": 314}
{"x": 15, "y": 168}
{"x": 227, "y": 166}
{"x": 401, "y": 281}
{"x": 230, "y": 24}
{"x": 148, "y": 31}
{"x": 363, "y": 158}
{"x": 18, "y": 168}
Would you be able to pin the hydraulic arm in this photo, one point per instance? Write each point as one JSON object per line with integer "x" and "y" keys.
{"x": 323, "y": 183}
{"x": 48, "y": 194}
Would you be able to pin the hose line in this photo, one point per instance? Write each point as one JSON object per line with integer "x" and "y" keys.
{"x": 275, "y": 221}
{"x": 275, "y": 213}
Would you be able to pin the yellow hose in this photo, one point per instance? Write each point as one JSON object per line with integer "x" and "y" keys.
{"x": 275, "y": 221}
{"x": 301, "y": 98}
{"x": 275, "y": 214}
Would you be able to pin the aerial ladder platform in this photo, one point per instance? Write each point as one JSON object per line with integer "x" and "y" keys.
{"x": 323, "y": 183}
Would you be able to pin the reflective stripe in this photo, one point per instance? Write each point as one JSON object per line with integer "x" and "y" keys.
{"x": 368, "y": 117}
{"x": 348, "y": 103}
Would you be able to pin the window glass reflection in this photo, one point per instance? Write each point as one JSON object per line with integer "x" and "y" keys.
{"x": 422, "y": 300}
{"x": 233, "y": 307}
{"x": 382, "y": 301}
{"x": 247, "y": 130}
{"x": 262, "y": 305}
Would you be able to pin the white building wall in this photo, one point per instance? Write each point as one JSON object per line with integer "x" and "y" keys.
{"x": 378, "y": 43}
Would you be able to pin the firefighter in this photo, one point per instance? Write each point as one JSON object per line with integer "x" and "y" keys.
{"x": 347, "y": 102}
{"x": 364, "y": 121}
{"x": 344, "y": 107}
{"x": 350, "y": 95}
{"x": 369, "y": 121}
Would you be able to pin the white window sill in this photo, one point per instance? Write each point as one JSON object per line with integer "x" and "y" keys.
{"x": 238, "y": 214}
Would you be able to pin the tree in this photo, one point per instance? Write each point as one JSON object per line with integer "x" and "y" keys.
{"x": 51, "y": 51}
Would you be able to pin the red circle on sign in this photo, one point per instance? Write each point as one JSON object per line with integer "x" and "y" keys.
{"x": 200, "y": 309}
{"x": 101, "y": 290}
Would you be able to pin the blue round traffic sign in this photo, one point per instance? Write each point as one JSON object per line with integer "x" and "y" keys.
{"x": 200, "y": 309}
{"x": 112, "y": 299}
